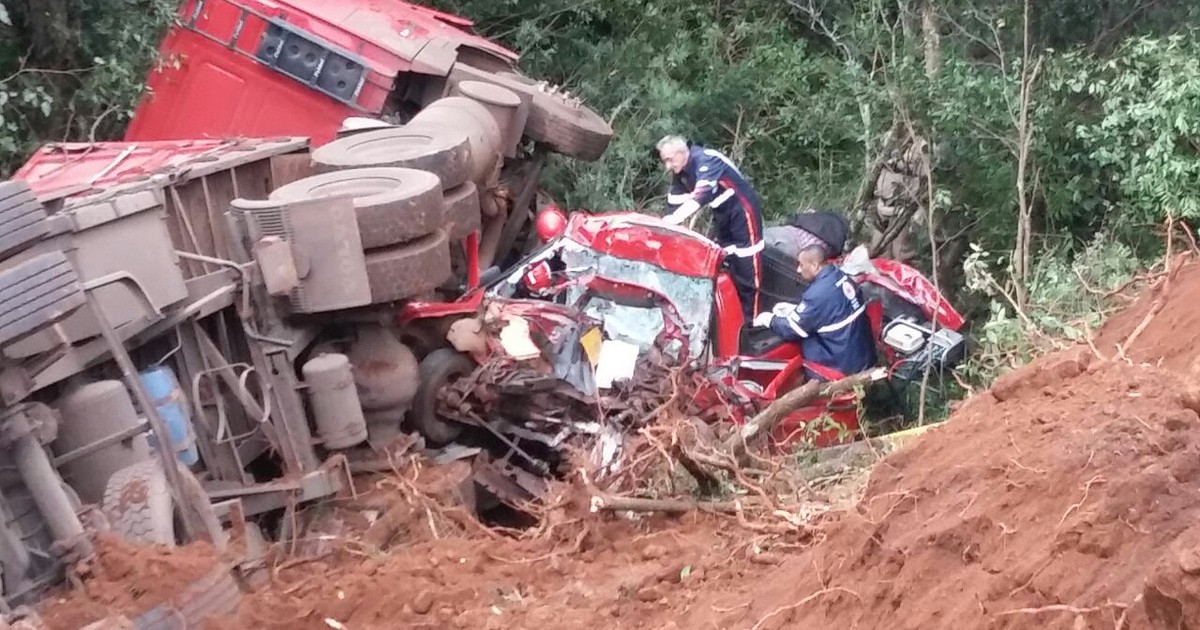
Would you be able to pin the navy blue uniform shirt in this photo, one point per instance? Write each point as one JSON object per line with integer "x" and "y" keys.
{"x": 831, "y": 324}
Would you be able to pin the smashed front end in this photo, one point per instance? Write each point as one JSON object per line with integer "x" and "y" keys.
{"x": 561, "y": 386}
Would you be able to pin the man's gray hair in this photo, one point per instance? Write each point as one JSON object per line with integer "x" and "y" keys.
{"x": 674, "y": 143}
{"x": 813, "y": 253}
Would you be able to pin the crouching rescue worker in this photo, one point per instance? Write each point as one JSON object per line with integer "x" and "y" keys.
{"x": 705, "y": 177}
{"x": 830, "y": 322}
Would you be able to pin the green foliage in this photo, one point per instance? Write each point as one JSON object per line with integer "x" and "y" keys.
{"x": 1070, "y": 294}
{"x": 731, "y": 75}
{"x": 85, "y": 93}
{"x": 801, "y": 98}
{"x": 1144, "y": 137}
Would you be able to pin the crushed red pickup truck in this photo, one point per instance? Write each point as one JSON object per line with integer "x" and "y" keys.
{"x": 565, "y": 348}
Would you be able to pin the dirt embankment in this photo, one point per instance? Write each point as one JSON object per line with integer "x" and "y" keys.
{"x": 1064, "y": 497}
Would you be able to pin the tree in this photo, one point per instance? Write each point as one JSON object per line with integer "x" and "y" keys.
{"x": 72, "y": 70}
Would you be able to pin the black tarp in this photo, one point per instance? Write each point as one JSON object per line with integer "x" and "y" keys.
{"x": 828, "y": 225}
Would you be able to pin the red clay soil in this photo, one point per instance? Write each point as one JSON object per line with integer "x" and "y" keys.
{"x": 1170, "y": 338}
{"x": 625, "y": 574}
{"x": 127, "y": 580}
{"x": 1065, "y": 497}
{"x": 643, "y": 573}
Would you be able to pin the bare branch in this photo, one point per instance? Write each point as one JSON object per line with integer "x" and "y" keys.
{"x": 817, "y": 21}
{"x": 1118, "y": 30}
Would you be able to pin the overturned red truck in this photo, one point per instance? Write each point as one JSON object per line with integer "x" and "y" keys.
{"x": 213, "y": 295}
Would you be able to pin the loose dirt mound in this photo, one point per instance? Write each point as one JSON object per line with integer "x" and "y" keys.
{"x": 1171, "y": 338}
{"x": 645, "y": 574}
{"x": 575, "y": 570}
{"x": 127, "y": 580}
{"x": 1065, "y": 497}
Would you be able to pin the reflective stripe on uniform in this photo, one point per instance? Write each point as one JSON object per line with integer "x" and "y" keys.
{"x": 793, "y": 322}
{"x": 844, "y": 322}
{"x": 721, "y": 198}
{"x": 747, "y": 251}
{"x": 727, "y": 161}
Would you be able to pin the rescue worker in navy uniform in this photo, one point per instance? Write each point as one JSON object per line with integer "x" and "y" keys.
{"x": 830, "y": 322}
{"x": 705, "y": 177}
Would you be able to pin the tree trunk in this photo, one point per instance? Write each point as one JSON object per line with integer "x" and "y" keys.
{"x": 1030, "y": 68}
{"x": 762, "y": 423}
{"x": 50, "y": 32}
{"x": 669, "y": 506}
{"x": 932, "y": 38}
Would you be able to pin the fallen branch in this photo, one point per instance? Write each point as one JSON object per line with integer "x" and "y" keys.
{"x": 705, "y": 480}
{"x": 762, "y": 423}
{"x": 666, "y": 506}
{"x": 1059, "y": 608}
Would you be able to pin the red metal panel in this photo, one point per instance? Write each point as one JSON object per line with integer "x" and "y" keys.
{"x": 728, "y": 306}
{"x": 63, "y": 170}
{"x": 909, "y": 284}
{"x": 411, "y": 21}
{"x": 205, "y": 89}
{"x": 647, "y": 238}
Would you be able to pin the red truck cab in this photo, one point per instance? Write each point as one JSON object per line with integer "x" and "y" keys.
{"x": 267, "y": 68}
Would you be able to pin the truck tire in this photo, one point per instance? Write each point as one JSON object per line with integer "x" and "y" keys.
{"x": 138, "y": 504}
{"x": 568, "y": 128}
{"x": 404, "y": 271}
{"x": 37, "y": 293}
{"x": 438, "y": 369}
{"x": 393, "y": 205}
{"x": 445, "y": 152}
{"x": 22, "y": 217}
{"x": 462, "y": 211}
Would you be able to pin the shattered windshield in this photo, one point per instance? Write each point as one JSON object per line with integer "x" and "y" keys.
{"x": 692, "y": 297}
{"x": 638, "y": 325}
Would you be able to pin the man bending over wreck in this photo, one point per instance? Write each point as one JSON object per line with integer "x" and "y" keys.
{"x": 830, "y": 321}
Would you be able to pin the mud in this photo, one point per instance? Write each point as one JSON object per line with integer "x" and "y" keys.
{"x": 125, "y": 579}
{"x": 1063, "y": 497}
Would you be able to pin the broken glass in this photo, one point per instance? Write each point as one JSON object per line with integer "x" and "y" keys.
{"x": 691, "y": 296}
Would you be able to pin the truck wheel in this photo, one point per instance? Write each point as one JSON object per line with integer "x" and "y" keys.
{"x": 138, "y": 504}
{"x": 445, "y": 152}
{"x": 393, "y": 205}
{"x": 571, "y": 129}
{"x": 36, "y": 293}
{"x": 22, "y": 217}
{"x": 404, "y": 271}
{"x": 462, "y": 211}
{"x": 438, "y": 369}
